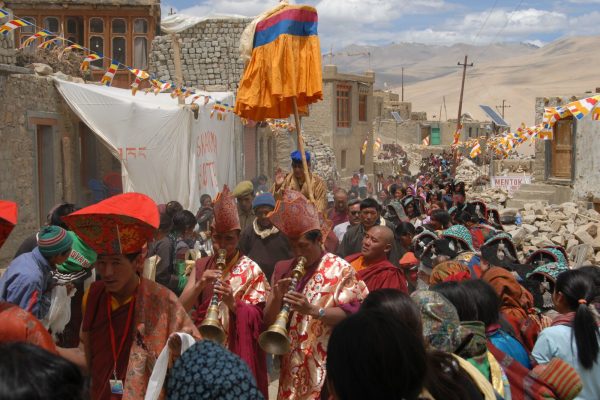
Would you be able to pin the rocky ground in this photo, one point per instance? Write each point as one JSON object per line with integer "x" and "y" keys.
{"x": 569, "y": 224}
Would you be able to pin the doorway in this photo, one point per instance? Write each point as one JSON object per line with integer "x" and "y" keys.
{"x": 562, "y": 150}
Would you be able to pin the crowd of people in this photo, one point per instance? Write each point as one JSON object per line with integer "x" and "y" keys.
{"x": 415, "y": 292}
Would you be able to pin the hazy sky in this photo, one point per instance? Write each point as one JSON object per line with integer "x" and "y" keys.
{"x": 343, "y": 22}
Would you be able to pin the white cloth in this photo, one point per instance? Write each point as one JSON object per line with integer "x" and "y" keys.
{"x": 165, "y": 153}
{"x": 362, "y": 180}
{"x": 157, "y": 379}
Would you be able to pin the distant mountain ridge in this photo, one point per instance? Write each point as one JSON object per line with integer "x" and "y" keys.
{"x": 515, "y": 72}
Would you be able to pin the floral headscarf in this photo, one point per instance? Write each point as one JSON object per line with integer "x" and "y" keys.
{"x": 441, "y": 325}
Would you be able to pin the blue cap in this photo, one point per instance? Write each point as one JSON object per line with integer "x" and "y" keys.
{"x": 297, "y": 157}
{"x": 264, "y": 199}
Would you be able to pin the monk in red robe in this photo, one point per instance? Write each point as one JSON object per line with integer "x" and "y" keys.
{"x": 372, "y": 264}
{"x": 127, "y": 319}
{"x": 242, "y": 286}
{"x": 328, "y": 291}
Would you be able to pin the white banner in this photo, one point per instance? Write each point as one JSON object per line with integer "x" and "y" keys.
{"x": 165, "y": 153}
{"x": 510, "y": 183}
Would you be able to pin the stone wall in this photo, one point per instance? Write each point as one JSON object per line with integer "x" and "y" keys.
{"x": 209, "y": 54}
{"x": 31, "y": 106}
{"x": 8, "y": 53}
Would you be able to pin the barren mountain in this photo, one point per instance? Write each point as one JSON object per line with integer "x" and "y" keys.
{"x": 517, "y": 73}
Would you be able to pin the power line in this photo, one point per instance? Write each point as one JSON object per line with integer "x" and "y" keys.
{"x": 485, "y": 22}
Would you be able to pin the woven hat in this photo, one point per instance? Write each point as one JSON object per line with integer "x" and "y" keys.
{"x": 226, "y": 212}
{"x": 8, "y": 219}
{"x": 294, "y": 215}
{"x": 121, "y": 224}
{"x": 209, "y": 371}
{"x": 242, "y": 189}
{"x": 53, "y": 240}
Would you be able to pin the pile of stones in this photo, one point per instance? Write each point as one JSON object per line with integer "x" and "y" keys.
{"x": 568, "y": 225}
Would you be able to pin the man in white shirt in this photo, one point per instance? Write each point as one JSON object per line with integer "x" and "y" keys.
{"x": 353, "y": 219}
{"x": 363, "y": 180}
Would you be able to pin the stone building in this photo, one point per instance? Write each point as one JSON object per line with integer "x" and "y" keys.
{"x": 344, "y": 119}
{"x": 570, "y": 160}
{"x": 118, "y": 29}
{"x": 49, "y": 156}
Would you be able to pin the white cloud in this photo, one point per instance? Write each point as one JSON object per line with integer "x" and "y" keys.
{"x": 360, "y": 12}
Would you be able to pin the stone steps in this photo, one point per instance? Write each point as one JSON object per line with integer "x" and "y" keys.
{"x": 539, "y": 192}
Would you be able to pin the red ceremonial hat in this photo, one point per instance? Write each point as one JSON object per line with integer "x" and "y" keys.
{"x": 121, "y": 224}
{"x": 225, "y": 211}
{"x": 294, "y": 215}
{"x": 8, "y": 219}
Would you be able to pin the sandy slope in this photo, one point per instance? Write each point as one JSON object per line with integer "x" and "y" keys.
{"x": 565, "y": 67}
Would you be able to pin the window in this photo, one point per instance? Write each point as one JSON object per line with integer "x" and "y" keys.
{"x": 51, "y": 24}
{"x": 140, "y": 26}
{"x": 140, "y": 52}
{"x": 28, "y": 28}
{"x": 97, "y": 46}
{"x": 119, "y": 25}
{"x": 362, "y": 107}
{"x": 343, "y": 106}
{"x": 71, "y": 25}
{"x": 470, "y": 132}
{"x": 118, "y": 50}
{"x": 96, "y": 25}
{"x": 343, "y": 159}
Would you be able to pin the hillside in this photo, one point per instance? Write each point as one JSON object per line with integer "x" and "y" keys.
{"x": 515, "y": 72}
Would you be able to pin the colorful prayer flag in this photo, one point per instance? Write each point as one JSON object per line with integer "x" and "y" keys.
{"x": 85, "y": 65}
{"x": 425, "y": 141}
{"x": 12, "y": 25}
{"x": 596, "y": 114}
{"x": 48, "y": 43}
{"x": 581, "y": 108}
{"x": 34, "y": 37}
{"x": 69, "y": 48}
{"x": 457, "y": 135}
{"x": 109, "y": 74}
{"x": 377, "y": 145}
{"x": 3, "y": 13}
{"x": 475, "y": 151}
{"x": 140, "y": 75}
{"x": 363, "y": 149}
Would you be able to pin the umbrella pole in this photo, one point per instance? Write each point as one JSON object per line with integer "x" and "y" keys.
{"x": 301, "y": 149}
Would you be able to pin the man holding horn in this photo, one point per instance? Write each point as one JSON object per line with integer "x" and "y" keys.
{"x": 324, "y": 296}
{"x": 241, "y": 286}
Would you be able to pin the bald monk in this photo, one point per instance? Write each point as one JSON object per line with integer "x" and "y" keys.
{"x": 372, "y": 264}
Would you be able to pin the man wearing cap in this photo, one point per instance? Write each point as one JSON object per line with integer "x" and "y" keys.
{"x": 127, "y": 319}
{"x": 262, "y": 242}
{"x": 244, "y": 195}
{"x": 28, "y": 279}
{"x": 242, "y": 286}
{"x": 328, "y": 291}
{"x": 17, "y": 324}
{"x": 297, "y": 181}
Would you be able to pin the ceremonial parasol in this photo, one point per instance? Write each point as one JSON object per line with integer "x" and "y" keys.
{"x": 121, "y": 224}
{"x": 8, "y": 219}
{"x": 283, "y": 74}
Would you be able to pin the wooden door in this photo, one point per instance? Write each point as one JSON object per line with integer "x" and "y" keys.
{"x": 562, "y": 149}
{"x": 435, "y": 136}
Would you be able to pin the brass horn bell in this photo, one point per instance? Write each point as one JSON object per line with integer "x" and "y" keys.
{"x": 211, "y": 327}
{"x": 275, "y": 340}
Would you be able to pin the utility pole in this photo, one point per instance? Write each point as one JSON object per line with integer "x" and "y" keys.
{"x": 402, "y": 84}
{"x": 458, "y": 121}
{"x": 503, "y": 106}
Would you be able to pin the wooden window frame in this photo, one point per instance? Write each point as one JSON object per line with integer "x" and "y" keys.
{"x": 343, "y": 105}
{"x": 362, "y": 107}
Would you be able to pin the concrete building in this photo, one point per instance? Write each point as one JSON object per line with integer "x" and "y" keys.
{"x": 570, "y": 160}
{"x": 344, "y": 119}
